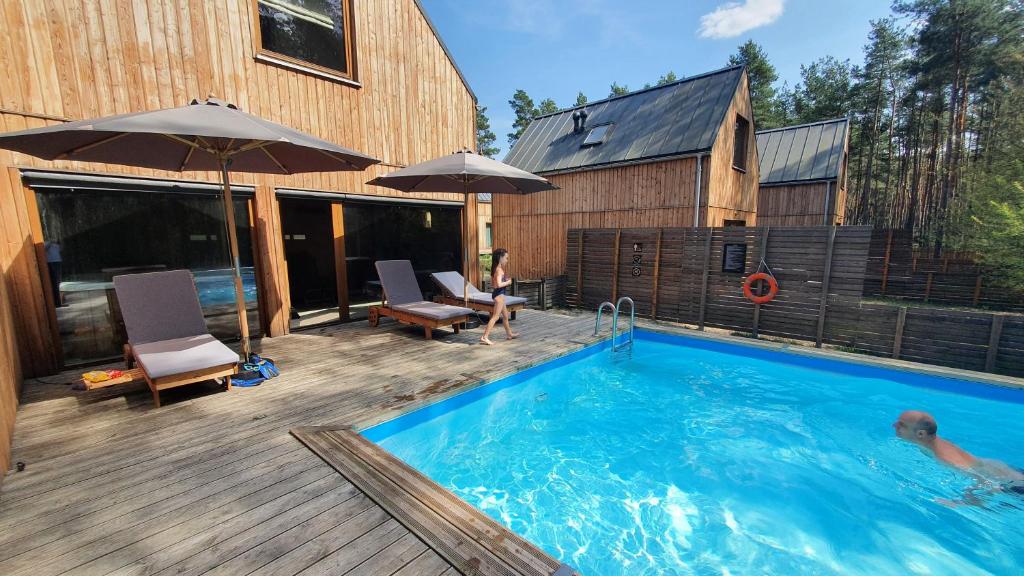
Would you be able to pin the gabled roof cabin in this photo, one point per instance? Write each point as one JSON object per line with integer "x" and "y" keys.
{"x": 803, "y": 174}
{"x": 681, "y": 154}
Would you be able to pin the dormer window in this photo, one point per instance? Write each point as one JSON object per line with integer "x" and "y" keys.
{"x": 597, "y": 135}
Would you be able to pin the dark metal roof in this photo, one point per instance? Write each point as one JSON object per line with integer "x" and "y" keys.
{"x": 662, "y": 121}
{"x": 800, "y": 153}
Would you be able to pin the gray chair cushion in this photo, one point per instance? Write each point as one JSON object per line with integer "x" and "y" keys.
{"x": 452, "y": 283}
{"x": 180, "y": 355}
{"x": 484, "y": 298}
{"x": 159, "y": 306}
{"x": 433, "y": 310}
{"x": 399, "y": 282}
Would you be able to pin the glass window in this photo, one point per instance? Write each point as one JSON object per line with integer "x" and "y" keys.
{"x": 489, "y": 238}
{"x": 94, "y": 235}
{"x": 597, "y": 135}
{"x": 314, "y": 32}
{"x": 739, "y": 150}
{"x": 399, "y": 232}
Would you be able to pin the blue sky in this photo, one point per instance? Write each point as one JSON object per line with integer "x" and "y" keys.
{"x": 554, "y": 48}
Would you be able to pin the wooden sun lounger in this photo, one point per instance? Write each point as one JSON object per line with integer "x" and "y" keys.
{"x": 452, "y": 285}
{"x": 167, "y": 335}
{"x": 404, "y": 302}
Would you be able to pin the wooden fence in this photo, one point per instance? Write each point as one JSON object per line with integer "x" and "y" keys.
{"x": 695, "y": 276}
{"x": 896, "y": 270}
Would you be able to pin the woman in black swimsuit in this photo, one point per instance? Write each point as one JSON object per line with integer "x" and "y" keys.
{"x": 500, "y": 283}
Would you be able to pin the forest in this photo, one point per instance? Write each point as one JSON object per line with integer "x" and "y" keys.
{"x": 937, "y": 123}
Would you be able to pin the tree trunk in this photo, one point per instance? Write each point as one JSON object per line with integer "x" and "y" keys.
{"x": 864, "y": 215}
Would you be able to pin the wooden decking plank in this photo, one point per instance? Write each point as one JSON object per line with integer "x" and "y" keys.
{"x": 164, "y": 480}
{"x": 343, "y": 560}
{"x": 82, "y": 547}
{"x": 219, "y": 522}
{"x": 60, "y": 523}
{"x": 258, "y": 547}
{"x": 500, "y": 541}
{"x": 386, "y": 561}
{"x": 426, "y": 564}
{"x": 444, "y": 538}
{"x": 361, "y": 537}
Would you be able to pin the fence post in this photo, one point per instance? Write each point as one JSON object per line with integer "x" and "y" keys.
{"x": 928, "y": 286}
{"x": 543, "y": 294}
{"x": 824, "y": 285}
{"x": 657, "y": 270}
{"x": 615, "y": 265}
{"x": 885, "y": 264}
{"x": 762, "y": 254}
{"x": 993, "y": 342}
{"x": 579, "y": 272}
{"x": 977, "y": 290}
{"x": 897, "y": 341}
{"x": 704, "y": 281}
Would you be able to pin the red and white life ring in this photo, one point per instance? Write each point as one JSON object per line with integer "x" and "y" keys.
{"x": 773, "y": 288}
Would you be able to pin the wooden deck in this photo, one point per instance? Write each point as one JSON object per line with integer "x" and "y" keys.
{"x": 212, "y": 482}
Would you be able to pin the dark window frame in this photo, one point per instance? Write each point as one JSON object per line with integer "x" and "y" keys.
{"x": 740, "y": 145}
{"x": 264, "y": 54}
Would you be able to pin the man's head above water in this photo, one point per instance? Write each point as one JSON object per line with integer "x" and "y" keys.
{"x": 916, "y": 426}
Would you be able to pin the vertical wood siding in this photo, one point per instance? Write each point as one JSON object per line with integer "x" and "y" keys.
{"x": 799, "y": 205}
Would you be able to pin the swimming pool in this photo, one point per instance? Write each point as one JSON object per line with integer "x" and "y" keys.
{"x": 694, "y": 456}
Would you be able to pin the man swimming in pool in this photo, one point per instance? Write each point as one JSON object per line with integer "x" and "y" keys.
{"x": 994, "y": 476}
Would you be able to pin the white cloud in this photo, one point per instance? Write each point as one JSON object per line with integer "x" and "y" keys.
{"x": 732, "y": 19}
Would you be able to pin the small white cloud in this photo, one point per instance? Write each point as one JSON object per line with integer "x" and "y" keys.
{"x": 732, "y": 19}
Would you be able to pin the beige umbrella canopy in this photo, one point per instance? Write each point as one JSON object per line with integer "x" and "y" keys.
{"x": 465, "y": 173}
{"x": 205, "y": 135}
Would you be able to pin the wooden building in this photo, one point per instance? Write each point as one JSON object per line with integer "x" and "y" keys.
{"x": 371, "y": 75}
{"x": 803, "y": 174}
{"x": 681, "y": 154}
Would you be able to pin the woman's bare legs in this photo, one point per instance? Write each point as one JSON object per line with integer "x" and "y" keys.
{"x": 508, "y": 329}
{"x": 499, "y": 308}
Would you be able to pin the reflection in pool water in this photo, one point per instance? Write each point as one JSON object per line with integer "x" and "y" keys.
{"x": 216, "y": 287}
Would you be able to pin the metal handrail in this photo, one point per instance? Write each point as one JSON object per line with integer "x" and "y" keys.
{"x": 615, "y": 322}
{"x": 597, "y": 323}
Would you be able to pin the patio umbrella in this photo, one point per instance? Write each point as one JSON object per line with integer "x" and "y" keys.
{"x": 466, "y": 173}
{"x": 205, "y": 135}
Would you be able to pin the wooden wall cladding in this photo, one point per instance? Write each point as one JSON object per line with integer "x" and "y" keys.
{"x": 797, "y": 205}
{"x": 677, "y": 274}
{"x": 10, "y": 376}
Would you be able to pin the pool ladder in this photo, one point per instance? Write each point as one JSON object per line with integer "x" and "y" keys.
{"x": 616, "y": 308}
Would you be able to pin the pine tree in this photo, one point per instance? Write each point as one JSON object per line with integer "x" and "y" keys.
{"x": 617, "y": 90}
{"x": 667, "y": 78}
{"x": 769, "y": 112}
{"x": 484, "y": 136}
{"x": 581, "y": 99}
{"x": 547, "y": 106}
{"x": 525, "y": 111}
{"x": 826, "y": 91}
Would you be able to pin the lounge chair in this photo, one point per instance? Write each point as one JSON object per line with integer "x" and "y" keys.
{"x": 404, "y": 302}
{"x": 167, "y": 334}
{"x": 452, "y": 284}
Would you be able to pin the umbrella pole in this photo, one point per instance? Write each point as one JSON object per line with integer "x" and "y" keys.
{"x": 466, "y": 242}
{"x": 236, "y": 268}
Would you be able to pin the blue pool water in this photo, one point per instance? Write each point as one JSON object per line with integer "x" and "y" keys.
{"x": 696, "y": 457}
